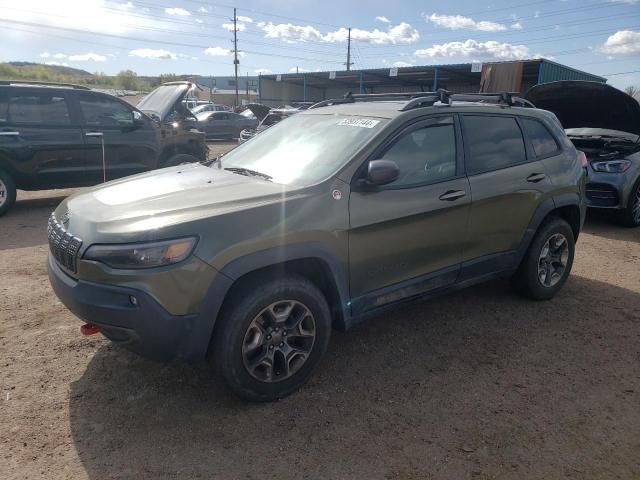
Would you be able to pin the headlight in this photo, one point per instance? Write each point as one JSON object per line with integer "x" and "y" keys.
{"x": 142, "y": 255}
{"x": 612, "y": 166}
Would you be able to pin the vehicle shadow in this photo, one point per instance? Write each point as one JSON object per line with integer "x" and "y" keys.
{"x": 478, "y": 381}
{"x": 25, "y": 225}
{"x": 601, "y": 224}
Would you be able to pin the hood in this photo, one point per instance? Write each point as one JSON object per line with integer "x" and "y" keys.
{"x": 259, "y": 110}
{"x": 164, "y": 99}
{"x": 582, "y": 104}
{"x": 123, "y": 209}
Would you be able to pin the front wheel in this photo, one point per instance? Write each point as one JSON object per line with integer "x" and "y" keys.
{"x": 272, "y": 333}
{"x": 548, "y": 261}
{"x": 630, "y": 216}
{"x": 7, "y": 192}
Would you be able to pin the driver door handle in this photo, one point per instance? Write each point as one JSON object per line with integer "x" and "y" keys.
{"x": 452, "y": 195}
{"x": 9, "y": 133}
{"x": 536, "y": 177}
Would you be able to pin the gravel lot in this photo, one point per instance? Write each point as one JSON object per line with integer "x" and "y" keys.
{"x": 476, "y": 385}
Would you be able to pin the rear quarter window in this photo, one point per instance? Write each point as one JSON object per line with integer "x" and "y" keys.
{"x": 492, "y": 142}
{"x": 544, "y": 143}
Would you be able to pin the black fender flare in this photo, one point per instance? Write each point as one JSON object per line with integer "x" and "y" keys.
{"x": 237, "y": 268}
{"x": 541, "y": 212}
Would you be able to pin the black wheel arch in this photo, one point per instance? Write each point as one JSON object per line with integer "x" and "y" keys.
{"x": 309, "y": 259}
{"x": 192, "y": 147}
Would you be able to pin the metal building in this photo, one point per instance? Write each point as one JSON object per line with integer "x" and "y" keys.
{"x": 516, "y": 76}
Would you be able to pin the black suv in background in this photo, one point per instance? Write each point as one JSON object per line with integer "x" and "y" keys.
{"x": 52, "y": 136}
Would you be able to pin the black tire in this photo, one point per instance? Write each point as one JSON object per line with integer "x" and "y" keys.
{"x": 527, "y": 279}
{"x": 7, "y": 192}
{"x": 180, "y": 159}
{"x": 238, "y": 315}
{"x": 628, "y": 217}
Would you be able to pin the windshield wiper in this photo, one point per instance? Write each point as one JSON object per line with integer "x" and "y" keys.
{"x": 248, "y": 172}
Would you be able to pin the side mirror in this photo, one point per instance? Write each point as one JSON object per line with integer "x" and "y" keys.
{"x": 382, "y": 172}
{"x": 138, "y": 120}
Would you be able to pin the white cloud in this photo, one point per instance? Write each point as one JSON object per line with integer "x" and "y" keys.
{"x": 473, "y": 48}
{"x": 537, "y": 14}
{"x": 262, "y": 70}
{"x": 244, "y": 19}
{"x": 516, "y": 26}
{"x": 199, "y": 21}
{"x": 157, "y": 54}
{"x": 218, "y": 52}
{"x": 58, "y": 64}
{"x": 628, "y": 2}
{"x": 401, "y": 33}
{"x": 623, "y": 42}
{"x": 125, "y": 6}
{"x": 87, "y": 57}
{"x": 383, "y": 19}
{"x": 45, "y": 55}
{"x": 298, "y": 70}
{"x": 181, "y": 12}
{"x": 402, "y": 64}
{"x": 457, "y": 22}
{"x": 100, "y": 15}
{"x": 203, "y": 10}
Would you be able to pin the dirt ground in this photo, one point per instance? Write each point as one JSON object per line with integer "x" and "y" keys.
{"x": 476, "y": 385}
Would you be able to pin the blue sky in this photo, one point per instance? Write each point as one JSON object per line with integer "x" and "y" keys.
{"x": 194, "y": 36}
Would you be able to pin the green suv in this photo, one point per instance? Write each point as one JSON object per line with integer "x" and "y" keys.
{"x": 328, "y": 217}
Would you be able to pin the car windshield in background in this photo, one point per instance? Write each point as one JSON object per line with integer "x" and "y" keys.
{"x": 303, "y": 149}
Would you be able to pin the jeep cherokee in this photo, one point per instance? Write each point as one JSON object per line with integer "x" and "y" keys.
{"x": 322, "y": 220}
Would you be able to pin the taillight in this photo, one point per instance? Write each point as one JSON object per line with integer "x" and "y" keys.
{"x": 583, "y": 159}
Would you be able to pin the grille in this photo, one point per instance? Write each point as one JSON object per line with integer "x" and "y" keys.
{"x": 64, "y": 246}
{"x": 602, "y": 195}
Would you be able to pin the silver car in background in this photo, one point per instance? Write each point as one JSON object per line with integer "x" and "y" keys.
{"x": 604, "y": 123}
{"x": 223, "y": 125}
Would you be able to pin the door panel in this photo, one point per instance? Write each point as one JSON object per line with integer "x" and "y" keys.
{"x": 40, "y": 133}
{"x": 406, "y": 237}
{"x": 507, "y": 184}
{"x": 128, "y": 148}
{"x": 397, "y": 235}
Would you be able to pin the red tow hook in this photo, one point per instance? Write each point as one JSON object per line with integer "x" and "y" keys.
{"x": 88, "y": 329}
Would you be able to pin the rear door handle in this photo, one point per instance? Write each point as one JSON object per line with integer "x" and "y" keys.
{"x": 536, "y": 177}
{"x": 93, "y": 134}
{"x": 9, "y": 134}
{"x": 452, "y": 195}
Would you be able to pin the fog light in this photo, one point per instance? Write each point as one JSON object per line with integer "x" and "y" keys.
{"x": 133, "y": 300}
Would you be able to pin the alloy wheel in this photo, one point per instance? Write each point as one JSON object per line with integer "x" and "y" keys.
{"x": 278, "y": 341}
{"x": 552, "y": 262}
{"x": 3, "y": 193}
{"x": 635, "y": 208}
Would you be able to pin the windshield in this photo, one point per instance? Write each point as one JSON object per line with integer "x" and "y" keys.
{"x": 303, "y": 149}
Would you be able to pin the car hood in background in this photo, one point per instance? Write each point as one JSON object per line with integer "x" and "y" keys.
{"x": 582, "y": 104}
{"x": 162, "y": 101}
{"x": 259, "y": 110}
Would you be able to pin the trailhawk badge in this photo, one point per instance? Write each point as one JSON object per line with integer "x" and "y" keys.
{"x": 336, "y": 194}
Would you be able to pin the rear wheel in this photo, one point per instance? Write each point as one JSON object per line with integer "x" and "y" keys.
{"x": 547, "y": 264}
{"x": 630, "y": 216}
{"x": 7, "y": 192}
{"x": 272, "y": 334}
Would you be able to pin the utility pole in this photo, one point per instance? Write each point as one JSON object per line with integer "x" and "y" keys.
{"x": 349, "y": 50}
{"x": 235, "y": 51}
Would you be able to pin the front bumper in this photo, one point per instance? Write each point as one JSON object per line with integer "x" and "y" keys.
{"x": 606, "y": 190}
{"x": 129, "y": 317}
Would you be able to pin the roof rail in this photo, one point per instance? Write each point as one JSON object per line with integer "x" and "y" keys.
{"x": 424, "y": 99}
{"x": 43, "y": 84}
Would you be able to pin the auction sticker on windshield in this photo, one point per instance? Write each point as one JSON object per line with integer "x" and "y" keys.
{"x": 359, "y": 122}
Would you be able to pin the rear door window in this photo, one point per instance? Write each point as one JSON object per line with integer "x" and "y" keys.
{"x": 42, "y": 108}
{"x": 544, "y": 144}
{"x": 492, "y": 142}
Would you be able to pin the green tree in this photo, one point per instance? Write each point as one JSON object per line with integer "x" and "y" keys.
{"x": 128, "y": 80}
